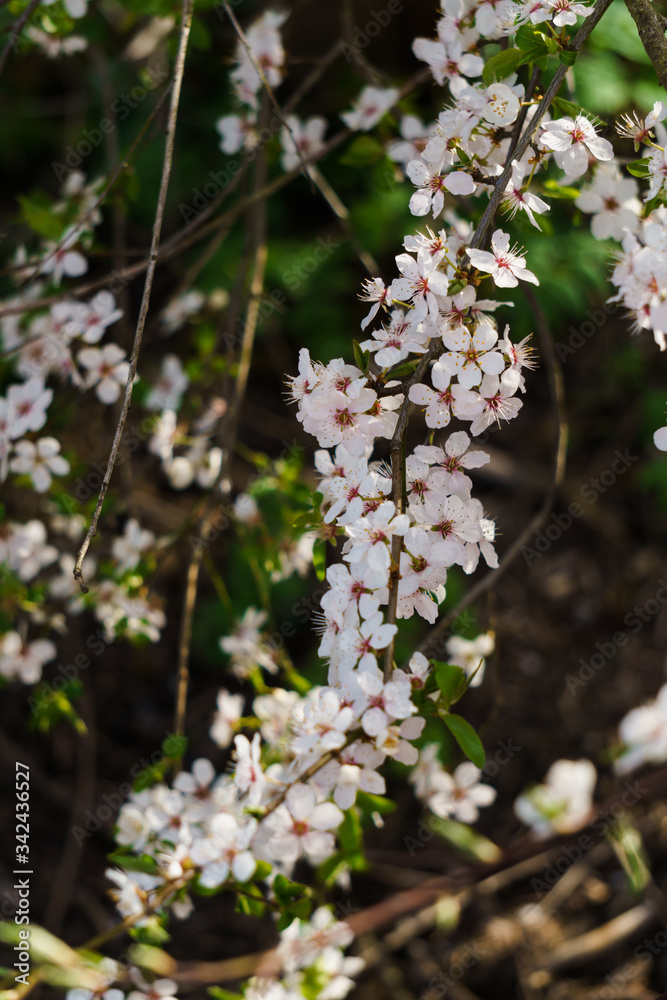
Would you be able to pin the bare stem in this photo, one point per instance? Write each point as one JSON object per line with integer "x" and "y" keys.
{"x": 186, "y": 23}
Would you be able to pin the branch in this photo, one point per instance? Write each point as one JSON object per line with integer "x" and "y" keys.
{"x": 485, "y": 223}
{"x": 651, "y": 28}
{"x": 186, "y": 22}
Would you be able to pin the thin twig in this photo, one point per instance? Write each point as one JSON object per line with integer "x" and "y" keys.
{"x": 485, "y": 223}
{"x": 16, "y": 31}
{"x": 651, "y": 28}
{"x": 186, "y": 23}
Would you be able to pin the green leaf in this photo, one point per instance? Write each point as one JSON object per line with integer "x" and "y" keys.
{"x": 134, "y": 862}
{"x": 500, "y": 66}
{"x": 467, "y": 738}
{"x": 40, "y": 218}
{"x": 375, "y": 803}
{"x": 262, "y": 871}
{"x": 457, "y": 285}
{"x": 465, "y": 839}
{"x": 250, "y": 907}
{"x": 531, "y": 43}
{"x": 218, "y": 993}
{"x": 350, "y": 834}
{"x": 320, "y": 558}
{"x": 362, "y": 152}
{"x": 555, "y": 190}
{"x": 567, "y": 57}
{"x": 627, "y": 843}
{"x": 639, "y": 168}
{"x": 361, "y": 358}
{"x": 451, "y": 680}
{"x": 286, "y": 891}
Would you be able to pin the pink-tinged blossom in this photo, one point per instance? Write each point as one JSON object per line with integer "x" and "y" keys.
{"x": 573, "y": 141}
{"x": 497, "y": 395}
{"x": 24, "y": 661}
{"x": 382, "y": 703}
{"x": 453, "y": 458}
{"x": 358, "y": 646}
{"x": 448, "y": 62}
{"x": 225, "y": 851}
{"x": 393, "y": 741}
{"x": 396, "y": 341}
{"x": 65, "y": 262}
{"x": 461, "y": 794}
{"x": 567, "y": 12}
{"x": 431, "y": 186}
{"x": 472, "y": 355}
{"x": 414, "y": 138}
{"x": 632, "y": 127}
{"x": 27, "y": 404}
{"x": 249, "y": 777}
{"x": 444, "y": 399}
{"x": 370, "y": 536}
{"x": 301, "y": 826}
{"x": 303, "y": 140}
{"x": 106, "y": 370}
{"x": 40, "y": 460}
{"x": 369, "y": 108}
{"x": 612, "y": 201}
{"x": 321, "y": 723}
{"x": 516, "y": 199}
{"x": 505, "y": 265}
{"x": 373, "y": 291}
{"x": 420, "y": 282}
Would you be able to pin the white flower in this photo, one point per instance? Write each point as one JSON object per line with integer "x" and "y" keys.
{"x": 461, "y": 794}
{"x": 612, "y": 201}
{"x": 27, "y": 404}
{"x": 100, "y": 313}
{"x": 444, "y": 399}
{"x": 370, "y": 106}
{"x": 516, "y": 199}
{"x": 127, "y": 549}
{"x": 498, "y": 402}
{"x": 229, "y": 711}
{"x": 643, "y": 732}
{"x": 302, "y": 140}
{"x": 248, "y": 775}
{"x": 321, "y": 723}
{"x": 66, "y": 261}
{"x": 469, "y": 654}
{"x": 503, "y": 105}
{"x": 420, "y": 282}
{"x": 236, "y": 132}
{"x": 167, "y": 392}
{"x": 40, "y": 460}
{"x": 504, "y": 265}
{"x": 572, "y": 140}
{"x": 106, "y": 370}
{"x": 563, "y": 803}
{"x": 301, "y": 826}
{"x": 246, "y": 646}
{"x": 472, "y": 355}
{"x": 181, "y": 309}
{"x": 24, "y": 662}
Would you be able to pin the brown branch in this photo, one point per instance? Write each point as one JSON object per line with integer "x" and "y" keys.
{"x": 651, "y": 28}
{"x": 485, "y": 223}
{"x": 557, "y": 393}
{"x": 186, "y": 23}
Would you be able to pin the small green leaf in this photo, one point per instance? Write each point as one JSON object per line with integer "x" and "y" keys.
{"x": 465, "y": 839}
{"x": 218, "y": 993}
{"x": 555, "y": 190}
{"x": 134, "y": 862}
{"x": 361, "y": 358}
{"x": 467, "y": 738}
{"x": 40, "y": 218}
{"x": 375, "y": 803}
{"x": 457, "y": 285}
{"x": 500, "y": 66}
{"x": 320, "y": 558}
{"x": 451, "y": 680}
{"x": 639, "y": 168}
